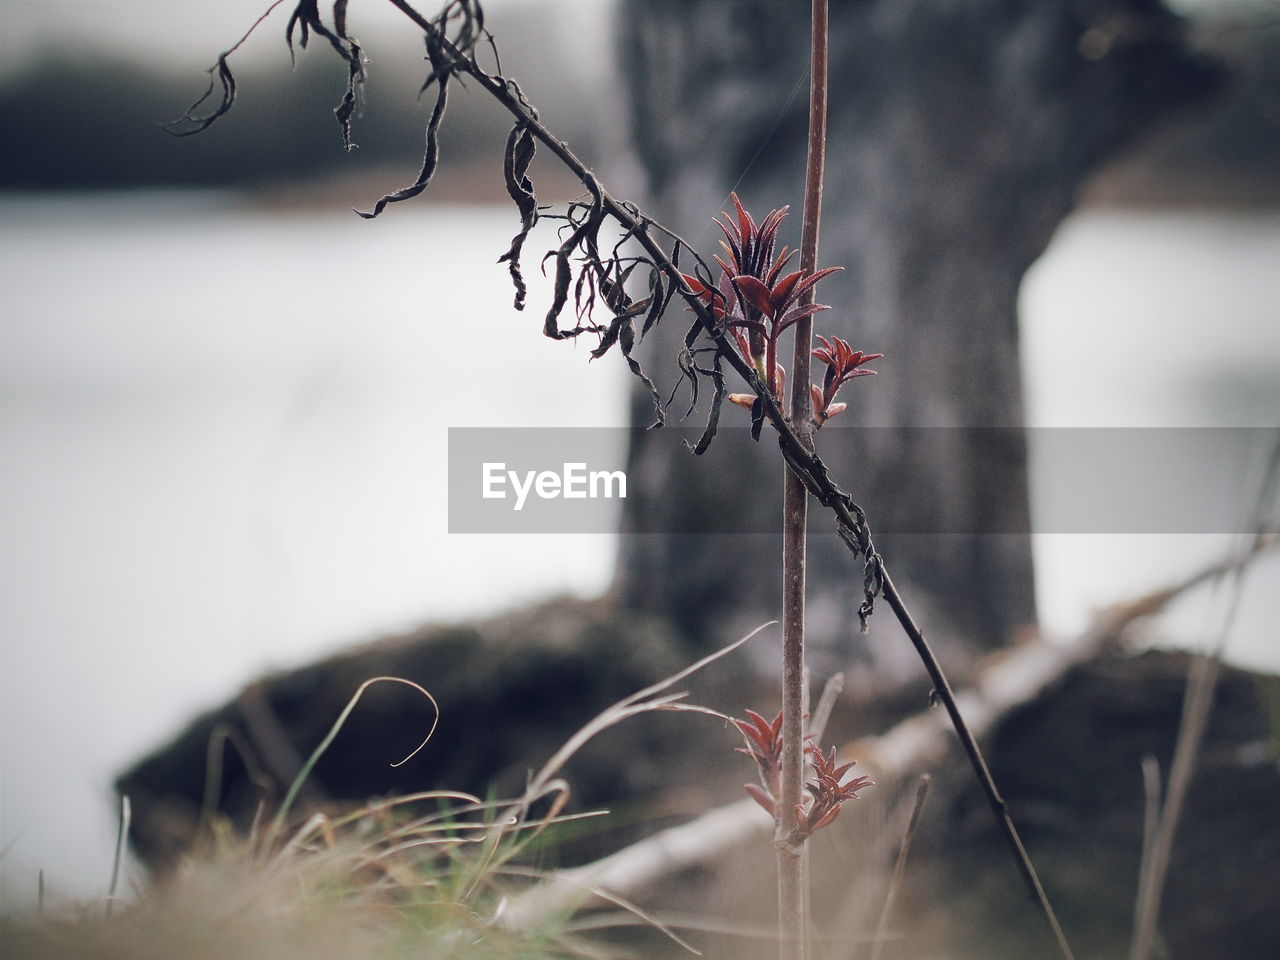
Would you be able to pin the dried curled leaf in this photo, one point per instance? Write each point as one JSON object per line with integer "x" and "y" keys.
{"x": 515, "y": 166}
{"x": 306, "y": 18}
{"x": 430, "y": 159}
{"x": 220, "y": 75}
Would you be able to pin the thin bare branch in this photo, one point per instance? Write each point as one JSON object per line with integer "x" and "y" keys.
{"x": 900, "y": 866}
{"x": 1202, "y": 680}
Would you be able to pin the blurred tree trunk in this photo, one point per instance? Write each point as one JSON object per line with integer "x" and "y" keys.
{"x": 961, "y": 133}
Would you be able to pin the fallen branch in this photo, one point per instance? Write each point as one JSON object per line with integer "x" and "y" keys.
{"x": 1011, "y": 680}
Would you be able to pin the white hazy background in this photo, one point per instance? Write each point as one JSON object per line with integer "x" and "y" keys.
{"x": 205, "y": 476}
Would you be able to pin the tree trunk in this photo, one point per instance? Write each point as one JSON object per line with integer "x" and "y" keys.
{"x": 961, "y": 132}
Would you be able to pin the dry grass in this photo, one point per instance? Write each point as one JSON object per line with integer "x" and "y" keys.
{"x": 428, "y": 874}
{"x": 350, "y": 900}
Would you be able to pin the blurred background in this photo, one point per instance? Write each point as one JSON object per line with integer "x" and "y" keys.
{"x": 211, "y": 466}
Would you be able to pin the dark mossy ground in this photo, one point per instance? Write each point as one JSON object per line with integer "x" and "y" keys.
{"x": 513, "y": 688}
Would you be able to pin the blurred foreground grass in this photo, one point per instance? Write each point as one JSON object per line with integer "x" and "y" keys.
{"x": 355, "y": 886}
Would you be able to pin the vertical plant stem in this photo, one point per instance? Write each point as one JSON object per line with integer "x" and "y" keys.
{"x": 1197, "y": 704}
{"x": 122, "y": 837}
{"x": 900, "y": 867}
{"x": 1151, "y": 790}
{"x": 792, "y": 878}
{"x": 790, "y": 849}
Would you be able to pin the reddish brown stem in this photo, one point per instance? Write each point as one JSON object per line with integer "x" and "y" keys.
{"x": 792, "y": 875}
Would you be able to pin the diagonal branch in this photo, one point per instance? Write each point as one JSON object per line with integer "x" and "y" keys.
{"x": 454, "y": 57}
